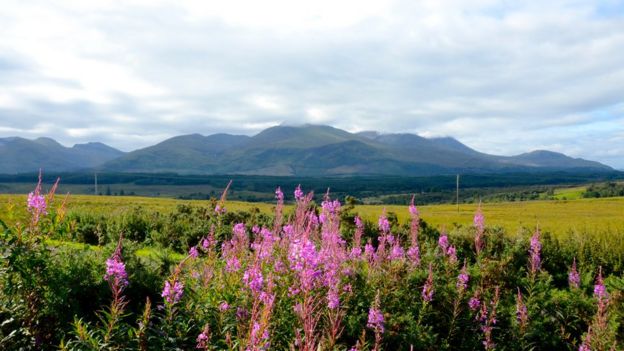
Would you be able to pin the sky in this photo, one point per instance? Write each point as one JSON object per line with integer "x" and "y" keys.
{"x": 504, "y": 77}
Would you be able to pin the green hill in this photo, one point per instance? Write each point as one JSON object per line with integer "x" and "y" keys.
{"x": 312, "y": 150}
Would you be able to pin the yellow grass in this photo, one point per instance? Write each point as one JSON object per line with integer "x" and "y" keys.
{"x": 114, "y": 205}
{"x": 558, "y": 216}
{"x": 582, "y": 215}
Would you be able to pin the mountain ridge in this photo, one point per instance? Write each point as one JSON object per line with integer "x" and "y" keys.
{"x": 24, "y": 155}
{"x": 306, "y": 150}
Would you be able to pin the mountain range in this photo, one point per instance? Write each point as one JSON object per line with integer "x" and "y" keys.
{"x": 308, "y": 150}
{"x": 19, "y": 155}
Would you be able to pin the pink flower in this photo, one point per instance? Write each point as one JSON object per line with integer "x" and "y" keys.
{"x": 219, "y": 209}
{"x": 239, "y": 230}
{"x": 116, "y": 271}
{"x": 253, "y": 279}
{"x": 193, "y": 252}
{"x": 428, "y": 289}
{"x": 397, "y": 252}
{"x": 298, "y": 193}
{"x": 452, "y": 254}
{"x": 574, "y": 279}
{"x": 534, "y": 252}
{"x": 172, "y": 293}
{"x": 413, "y": 210}
{"x": 462, "y": 279}
{"x": 356, "y": 252}
{"x": 443, "y": 242}
{"x": 488, "y": 320}
{"x": 36, "y": 202}
{"x": 224, "y": 306}
{"x": 206, "y": 244}
{"x": 414, "y": 223}
{"x": 358, "y": 222}
{"x": 585, "y": 346}
{"x": 232, "y": 264}
{"x": 267, "y": 299}
{"x": 263, "y": 244}
{"x": 479, "y": 220}
{"x": 369, "y": 252}
{"x": 313, "y": 219}
{"x": 522, "y": 315}
{"x": 242, "y": 313}
{"x": 333, "y": 299}
{"x": 329, "y": 209}
{"x": 474, "y": 303}
{"x": 279, "y": 266}
{"x": 203, "y": 339}
{"x": 414, "y": 255}
{"x": 279, "y": 195}
{"x": 375, "y": 319}
{"x": 304, "y": 259}
{"x": 384, "y": 225}
{"x": 600, "y": 291}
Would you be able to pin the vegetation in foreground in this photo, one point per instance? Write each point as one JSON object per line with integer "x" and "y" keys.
{"x": 314, "y": 277}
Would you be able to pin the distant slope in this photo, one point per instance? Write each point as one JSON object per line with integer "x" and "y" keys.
{"x": 554, "y": 160}
{"x": 308, "y": 150}
{"x": 192, "y": 153}
{"x": 24, "y": 155}
{"x": 313, "y": 150}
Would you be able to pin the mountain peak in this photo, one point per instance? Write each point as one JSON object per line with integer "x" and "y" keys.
{"x": 369, "y": 134}
{"x": 49, "y": 142}
{"x": 306, "y": 135}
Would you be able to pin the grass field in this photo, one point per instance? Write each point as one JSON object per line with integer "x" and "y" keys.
{"x": 582, "y": 215}
{"x": 170, "y": 191}
{"x": 573, "y": 193}
{"x": 558, "y": 216}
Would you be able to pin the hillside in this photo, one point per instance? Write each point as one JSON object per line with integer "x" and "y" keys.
{"x": 308, "y": 150}
{"x": 313, "y": 150}
{"x": 19, "y": 155}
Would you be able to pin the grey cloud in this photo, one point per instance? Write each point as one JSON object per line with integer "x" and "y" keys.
{"x": 502, "y": 77}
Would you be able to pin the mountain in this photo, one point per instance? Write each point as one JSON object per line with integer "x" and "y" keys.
{"x": 555, "y": 160}
{"x": 313, "y": 150}
{"x": 308, "y": 150}
{"x": 19, "y": 155}
{"x": 192, "y": 153}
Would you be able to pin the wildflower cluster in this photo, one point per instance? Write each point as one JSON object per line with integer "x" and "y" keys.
{"x": 303, "y": 267}
{"x": 316, "y": 277}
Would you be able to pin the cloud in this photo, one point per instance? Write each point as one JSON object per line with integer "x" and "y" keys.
{"x": 503, "y": 77}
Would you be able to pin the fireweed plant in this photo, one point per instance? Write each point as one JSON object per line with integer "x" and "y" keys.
{"x": 316, "y": 277}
